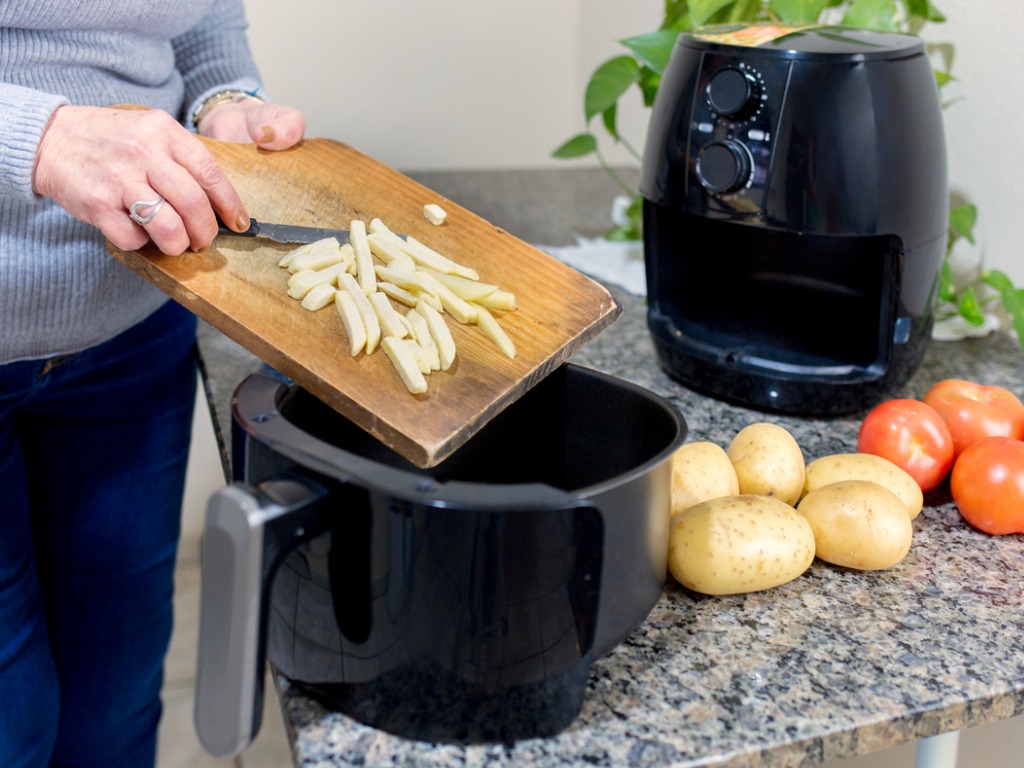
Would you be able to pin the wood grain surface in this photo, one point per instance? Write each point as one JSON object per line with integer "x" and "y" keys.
{"x": 237, "y": 287}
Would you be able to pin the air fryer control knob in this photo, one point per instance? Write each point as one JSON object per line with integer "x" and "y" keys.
{"x": 724, "y": 166}
{"x": 732, "y": 93}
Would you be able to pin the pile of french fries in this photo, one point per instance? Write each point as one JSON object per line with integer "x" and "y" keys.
{"x": 393, "y": 293}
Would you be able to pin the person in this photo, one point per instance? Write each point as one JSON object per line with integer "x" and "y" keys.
{"x": 97, "y": 367}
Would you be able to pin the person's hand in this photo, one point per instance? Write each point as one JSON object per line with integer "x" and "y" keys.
{"x": 97, "y": 161}
{"x": 270, "y": 126}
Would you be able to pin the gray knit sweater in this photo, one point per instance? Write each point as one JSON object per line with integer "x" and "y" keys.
{"x": 60, "y": 291}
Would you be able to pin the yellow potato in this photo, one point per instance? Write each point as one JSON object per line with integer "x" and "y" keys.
{"x": 768, "y": 461}
{"x": 701, "y": 471}
{"x": 858, "y": 524}
{"x": 865, "y": 466}
{"x": 735, "y": 544}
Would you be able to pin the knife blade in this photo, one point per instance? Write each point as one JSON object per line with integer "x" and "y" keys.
{"x": 285, "y": 233}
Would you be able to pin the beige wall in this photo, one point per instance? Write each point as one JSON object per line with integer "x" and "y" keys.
{"x": 470, "y": 84}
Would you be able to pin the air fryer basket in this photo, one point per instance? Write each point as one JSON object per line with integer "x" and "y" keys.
{"x": 464, "y": 602}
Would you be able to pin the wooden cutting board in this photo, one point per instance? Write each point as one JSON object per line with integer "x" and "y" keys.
{"x": 237, "y": 286}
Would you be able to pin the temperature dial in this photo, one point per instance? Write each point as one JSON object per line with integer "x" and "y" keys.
{"x": 733, "y": 93}
{"x": 724, "y": 166}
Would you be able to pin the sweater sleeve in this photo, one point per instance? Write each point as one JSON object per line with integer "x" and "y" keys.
{"x": 24, "y": 114}
{"x": 215, "y": 55}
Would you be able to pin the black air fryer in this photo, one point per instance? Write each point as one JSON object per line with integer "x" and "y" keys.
{"x": 795, "y": 214}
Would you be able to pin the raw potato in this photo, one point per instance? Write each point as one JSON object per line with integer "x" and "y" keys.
{"x": 319, "y": 297}
{"x": 352, "y": 321}
{"x": 363, "y": 256}
{"x": 736, "y": 544}
{"x": 701, "y": 471}
{"x": 858, "y": 524}
{"x": 402, "y": 357}
{"x": 435, "y": 214}
{"x": 440, "y": 333}
{"x": 327, "y": 243}
{"x": 865, "y": 466}
{"x": 768, "y": 461}
{"x": 486, "y": 322}
{"x": 371, "y": 324}
{"x": 413, "y": 274}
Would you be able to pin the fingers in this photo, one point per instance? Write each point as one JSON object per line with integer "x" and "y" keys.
{"x": 196, "y": 187}
{"x": 97, "y": 162}
{"x": 281, "y": 131}
{"x": 270, "y": 126}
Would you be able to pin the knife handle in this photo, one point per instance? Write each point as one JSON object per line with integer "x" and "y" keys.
{"x": 254, "y": 228}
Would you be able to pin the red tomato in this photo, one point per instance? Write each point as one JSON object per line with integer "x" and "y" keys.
{"x": 912, "y": 436}
{"x": 973, "y": 411}
{"x": 988, "y": 485}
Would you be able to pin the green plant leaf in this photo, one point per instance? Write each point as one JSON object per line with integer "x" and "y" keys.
{"x": 677, "y": 15}
{"x": 701, "y": 11}
{"x": 608, "y": 83}
{"x": 622, "y": 234}
{"x": 947, "y": 291}
{"x": 579, "y": 145}
{"x": 923, "y": 9}
{"x": 962, "y": 220}
{"x": 798, "y": 11}
{"x": 1013, "y": 299}
{"x": 650, "y": 81}
{"x": 969, "y": 308}
{"x": 943, "y": 78}
{"x": 654, "y": 48}
{"x": 740, "y": 12}
{"x": 883, "y": 15}
{"x": 608, "y": 118}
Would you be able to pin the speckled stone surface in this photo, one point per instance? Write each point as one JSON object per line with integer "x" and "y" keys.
{"x": 833, "y": 664}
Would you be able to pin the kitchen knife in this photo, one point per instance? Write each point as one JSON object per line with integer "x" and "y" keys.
{"x": 284, "y": 233}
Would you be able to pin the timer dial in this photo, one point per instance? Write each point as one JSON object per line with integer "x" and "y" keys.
{"x": 724, "y": 166}
{"x": 733, "y": 93}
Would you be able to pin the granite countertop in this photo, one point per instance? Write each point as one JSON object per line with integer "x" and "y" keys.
{"x": 834, "y": 664}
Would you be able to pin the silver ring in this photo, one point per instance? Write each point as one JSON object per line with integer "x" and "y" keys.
{"x": 153, "y": 205}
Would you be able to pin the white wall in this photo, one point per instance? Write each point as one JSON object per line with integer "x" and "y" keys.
{"x": 473, "y": 84}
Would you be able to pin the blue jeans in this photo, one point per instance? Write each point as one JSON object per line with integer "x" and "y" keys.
{"x": 93, "y": 450}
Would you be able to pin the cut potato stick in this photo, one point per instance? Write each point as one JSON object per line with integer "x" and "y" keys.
{"x": 302, "y": 286}
{"x": 420, "y": 253}
{"x": 390, "y": 321}
{"x": 421, "y": 333}
{"x": 320, "y": 259}
{"x": 462, "y": 311}
{"x": 319, "y": 296}
{"x": 386, "y": 250}
{"x": 369, "y": 316}
{"x": 401, "y": 357}
{"x": 363, "y": 256}
{"x": 440, "y": 333}
{"x": 411, "y": 281}
{"x": 465, "y": 289}
{"x": 428, "y": 257}
{"x": 325, "y": 244}
{"x": 485, "y": 322}
{"x": 399, "y": 294}
{"x": 352, "y": 321}
{"x": 419, "y": 355}
{"x": 502, "y": 300}
{"x": 302, "y": 274}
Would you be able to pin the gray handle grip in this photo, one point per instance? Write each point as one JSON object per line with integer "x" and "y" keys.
{"x": 247, "y": 532}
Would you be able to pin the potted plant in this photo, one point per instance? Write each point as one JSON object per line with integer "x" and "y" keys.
{"x": 962, "y": 296}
